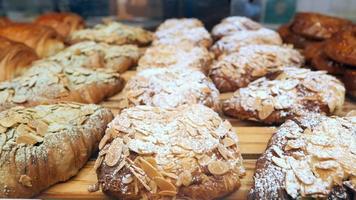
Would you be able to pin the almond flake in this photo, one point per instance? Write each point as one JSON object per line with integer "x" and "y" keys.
{"x": 163, "y": 184}
{"x": 224, "y": 152}
{"x": 114, "y": 153}
{"x": 302, "y": 171}
{"x": 218, "y": 167}
{"x": 167, "y": 193}
{"x": 228, "y": 142}
{"x": 25, "y": 181}
{"x": 267, "y": 110}
{"x": 148, "y": 168}
{"x": 19, "y": 99}
{"x": 185, "y": 178}
{"x": 280, "y": 162}
{"x": 127, "y": 179}
{"x": 328, "y": 164}
{"x": 7, "y": 122}
{"x": 292, "y": 186}
{"x": 295, "y": 144}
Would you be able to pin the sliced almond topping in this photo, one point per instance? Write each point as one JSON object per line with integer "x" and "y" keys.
{"x": 127, "y": 179}
{"x": 7, "y": 122}
{"x": 98, "y": 162}
{"x": 228, "y": 142}
{"x": 3, "y": 129}
{"x": 218, "y": 167}
{"x": 302, "y": 170}
{"x": 28, "y": 138}
{"x": 224, "y": 152}
{"x": 185, "y": 178}
{"x": 113, "y": 155}
{"x": 267, "y": 110}
{"x": 278, "y": 151}
{"x": 328, "y": 164}
{"x": 163, "y": 184}
{"x": 167, "y": 193}
{"x": 25, "y": 181}
{"x": 19, "y": 99}
{"x": 105, "y": 138}
{"x": 292, "y": 185}
{"x": 295, "y": 144}
{"x": 280, "y": 162}
{"x": 151, "y": 171}
{"x": 152, "y": 161}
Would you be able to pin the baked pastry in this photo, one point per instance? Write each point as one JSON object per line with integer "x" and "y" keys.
{"x": 349, "y": 80}
{"x": 46, "y": 144}
{"x": 15, "y": 57}
{"x": 48, "y": 82}
{"x": 182, "y": 56}
{"x": 286, "y": 94}
{"x": 4, "y": 21}
{"x": 234, "y": 24}
{"x": 234, "y": 42}
{"x": 178, "y": 23}
{"x": 44, "y": 40}
{"x": 177, "y": 35}
{"x": 113, "y": 33}
{"x": 64, "y": 23}
{"x": 310, "y": 157}
{"x": 317, "y": 26}
{"x": 98, "y": 55}
{"x": 170, "y": 88}
{"x": 341, "y": 47}
{"x": 250, "y": 63}
{"x": 155, "y": 153}
{"x": 321, "y": 61}
{"x": 289, "y": 37}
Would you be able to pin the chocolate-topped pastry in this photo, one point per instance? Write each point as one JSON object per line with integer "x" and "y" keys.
{"x": 309, "y": 157}
{"x": 235, "y": 41}
{"x": 317, "y": 26}
{"x": 286, "y": 94}
{"x": 250, "y": 63}
{"x": 234, "y": 24}
{"x": 182, "y": 153}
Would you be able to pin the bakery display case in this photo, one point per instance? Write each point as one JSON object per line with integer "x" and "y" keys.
{"x": 177, "y": 99}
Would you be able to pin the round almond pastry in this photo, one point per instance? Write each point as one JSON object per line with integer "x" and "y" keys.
{"x": 321, "y": 61}
{"x": 250, "y": 63}
{"x": 342, "y": 47}
{"x": 47, "y": 144}
{"x": 317, "y": 26}
{"x": 170, "y": 88}
{"x": 286, "y": 94}
{"x": 234, "y": 24}
{"x": 349, "y": 80}
{"x": 185, "y": 55}
{"x": 309, "y": 157}
{"x": 234, "y": 42}
{"x": 290, "y": 37}
{"x": 180, "y": 23}
{"x": 154, "y": 153}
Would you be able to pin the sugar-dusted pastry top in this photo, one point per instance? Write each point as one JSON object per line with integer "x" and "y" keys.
{"x": 291, "y": 92}
{"x": 180, "y": 23}
{"x": 183, "y": 56}
{"x": 90, "y": 54}
{"x": 170, "y": 88}
{"x": 251, "y": 62}
{"x": 113, "y": 33}
{"x": 308, "y": 157}
{"x": 48, "y": 82}
{"x": 154, "y": 153}
{"x": 235, "y": 41}
{"x": 46, "y": 144}
{"x": 234, "y": 24}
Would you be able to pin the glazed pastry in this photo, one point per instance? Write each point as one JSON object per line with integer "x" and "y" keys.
{"x": 290, "y": 37}
{"x": 15, "y": 58}
{"x": 182, "y": 56}
{"x": 113, "y": 33}
{"x": 4, "y": 21}
{"x": 250, "y": 63}
{"x": 286, "y": 94}
{"x": 98, "y": 55}
{"x": 155, "y": 153}
{"x": 170, "y": 88}
{"x": 178, "y": 23}
{"x": 48, "y": 82}
{"x": 46, "y": 144}
{"x": 317, "y": 26}
{"x": 310, "y": 157}
{"x": 342, "y": 47}
{"x": 349, "y": 80}
{"x": 234, "y": 42}
{"x": 232, "y": 25}
{"x": 64, "y": 23}
{"x": 44, "y": 40}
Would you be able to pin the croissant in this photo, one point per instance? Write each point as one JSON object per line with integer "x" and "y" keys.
{"x": 4, "y": 21}
{"x": 64, "y": 23}
{"x": 14, "y": 58}
{"x": 44, "y": 40}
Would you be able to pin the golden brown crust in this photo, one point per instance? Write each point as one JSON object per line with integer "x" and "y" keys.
{"x": 290, "y": 37}
{"x": 250, "y": 63}
{"x": 349, "y": 80}
{"x": 232, "y": 43}
{"x": 98, "y": 55}
{"x": 44, "y": 40}
{"x": 15, "y": 58}
{"x": 113, "y": 33}
{"x": 187, "y": 152}
{"x": 170, "y": 88}
{"x": 47, "y": 144}
{"x": 341, "y": 47}
{"x": 308, "y": 157}
{"x": 234, "y": 24}
{"x": 48, "y": 82}
{"x": 321, "y": 61}
{"x": 317, "y": 26}
{"x": 292, "y": 92}
{"x": 64, "y": 23}
{"x": 173, "y": 56}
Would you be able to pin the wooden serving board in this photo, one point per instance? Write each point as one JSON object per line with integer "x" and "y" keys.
{"x": 253, "y": 138}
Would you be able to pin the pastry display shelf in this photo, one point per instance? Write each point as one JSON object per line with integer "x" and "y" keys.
{"x": 253, "y": 139}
